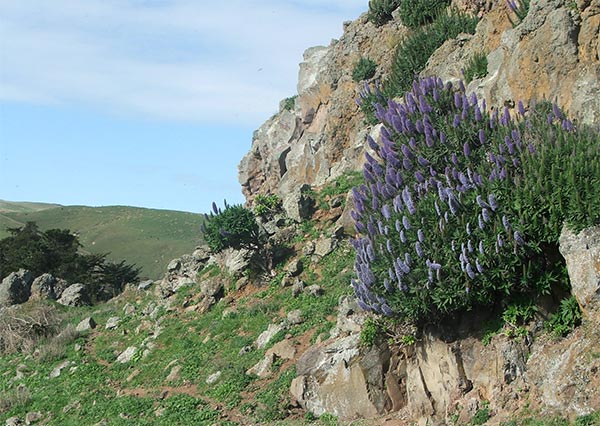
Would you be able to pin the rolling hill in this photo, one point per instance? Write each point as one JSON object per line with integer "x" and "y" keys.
{"x": 147, "y": 237}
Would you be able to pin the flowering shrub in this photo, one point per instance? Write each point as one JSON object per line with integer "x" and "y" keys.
{"x": 443, "y": 218}
{"x": 235, "y": 227}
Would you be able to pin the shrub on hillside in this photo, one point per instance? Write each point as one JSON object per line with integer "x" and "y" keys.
{"x": 412, "y": 54}
{"x": 234, "y": 227}
{"x": 416, "y": 13}
{"x": 364, "y": 69}
{"x": 266, "y": 206}
{"x": 453, "y": 213}
{"x": 380, "y": 11}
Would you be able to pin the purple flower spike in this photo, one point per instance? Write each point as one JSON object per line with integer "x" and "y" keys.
{"x": 481, "y": 135}
{"x": 469, "y": 270}
{"x": 506, "y": 224}
{"x": 420, "y": 235}
{"x": 480, "y": 222}
{"x": 481, "y": 203}
{"x": 485, "y": 213}
{"x": 518, "y": 238}
{"x": 422, "y": 161}
{"x": 478, "y": 266}
{"x": 499, "y": 240}
{"x": 481, "y": 250}
{"x": 402, "y": 236}
{"x": 419, "y": 249}
{"x": 385, "y": 211}
{"x": 521, "y": 108}
{"x": 405, "y": 223}
{"x": 419, "y": 177}
{"x": 456, "y": 121}
{"x": 493, "y": 202}
{"x": 468, "y": 228}
{"x": 467, "y": 149}
{"x": 478, "y": 116}
{"x": 215, "y": 209}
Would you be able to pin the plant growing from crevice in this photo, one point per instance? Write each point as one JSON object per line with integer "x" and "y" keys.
{"x": 476, "y": 68}
{"x": 364, "y": 70}
{"x": 412, "y": 54}
{"x": 566, "y": 318}
{"x": 289, "y": 103}
{"x": 380, "y": 11}
{"x": 416, "y": 13}
{"x": 520, "y": 8}
{"x": 450, "y": 216}
{"x": 266, "y": 206}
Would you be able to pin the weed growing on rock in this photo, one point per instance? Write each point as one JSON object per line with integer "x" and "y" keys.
{"x": 364, "y": 70}
{"x": 380, "y": 11}
{"x": 414, "y": 14}
{"x": 477, "y": 67}
{"x": 519, "y": 8}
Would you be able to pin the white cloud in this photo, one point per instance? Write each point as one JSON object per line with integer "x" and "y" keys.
{"x": 189, "y": 60}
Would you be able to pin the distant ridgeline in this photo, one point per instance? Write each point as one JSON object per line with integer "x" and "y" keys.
{"x": 148, "y": 238}
{"x": 56, "y": 251}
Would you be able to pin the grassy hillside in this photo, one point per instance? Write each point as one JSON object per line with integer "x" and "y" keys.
{"x": 149, "y": 238}
{"x": 23, "y": 206}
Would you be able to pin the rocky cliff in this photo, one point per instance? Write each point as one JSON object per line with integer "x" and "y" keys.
{"x": 553, "y": 54}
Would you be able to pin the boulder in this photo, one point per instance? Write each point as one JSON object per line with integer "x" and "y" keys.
{"x": 16, "y": 288}
{"x": 75, "y": 295}
{"x": 263, "y": 367}
{"x": 294, "y": 268}
{"x": 582, "y": 255}
{"x": 145, "y": 285}
{"x": 86, "y": 324}
{"x": 265, "y": 337}
{"x": 112, "y": 323}
{"x": 43, "y": 287}
{"x": 297, "y": 204}
{"x": 127, "y": 355}
{"x": 341, "y": 378}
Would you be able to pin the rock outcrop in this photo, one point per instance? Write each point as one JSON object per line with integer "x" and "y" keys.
{"x": 323, "y": 135}
{"x": 16, "y": 288}
{"x": 75, "y": 295}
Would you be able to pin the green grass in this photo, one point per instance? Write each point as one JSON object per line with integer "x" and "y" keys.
{"x": 147, "y": 237}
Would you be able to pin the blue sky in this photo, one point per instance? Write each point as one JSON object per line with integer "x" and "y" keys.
{"x": 149, "y": 103}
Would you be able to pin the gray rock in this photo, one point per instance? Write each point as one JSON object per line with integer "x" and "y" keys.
{"x": 350, "y": 318}
{"x": 245, "y": 350}
{"x": 86, "y": 324}
{"x": 265, "y": 337}
{"x": 59, "y": 368}
{"x": 127, "y": 355}
{"x": 129, "y": 309}
{"x": 263, "y": 367}
{"x": 175, "y": 374}
{"x": 314, "y": 290}
{"x": 325, "y": 246}
{"x": 145, "y": 285}
{"x": 213, "y": 378}
{"x": 43, "y": 287}
{"x": 16, "y": 288}
{"x": 297, "y": 288}
{"x": 33, "y": 417}
{"x": 295, "y": 317}
{"x": 75, "y": 295}
{"x": 13, "y": 421}
{"x": 582, "y": 255}
{"x": 211, "y": 287}
{"x": 309, "y": 248}
{"x": 283, "y": 350}
{"x": 298, "y": 205}
{"x": 294, "y": 268}
{"x": 112, "y": 323}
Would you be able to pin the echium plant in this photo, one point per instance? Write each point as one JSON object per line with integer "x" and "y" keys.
{"x": 437, "y": 230}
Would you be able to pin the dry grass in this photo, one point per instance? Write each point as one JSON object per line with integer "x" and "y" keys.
{"x": 23, "y": 326}
{"x": 15, "y": 398}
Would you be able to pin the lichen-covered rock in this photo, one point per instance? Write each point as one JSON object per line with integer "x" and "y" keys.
{"x": 75, "y": 295}
{"x": 341, "y": 378}
{"x": 43, "y": 287}
{"x": 182, "y": 272}
{"x": 552, "y": 54}
{"x": 582, "y": 254}
{"x": 16, "y": 288}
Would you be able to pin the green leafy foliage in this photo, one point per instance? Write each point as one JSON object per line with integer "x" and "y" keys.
{"x": 235, "y": 227}
{"x": 519, "y": 313}
{"x": 369, "y": 332}
{"x": 364, "y": 69}
{"x": 482, "y": 415}
{"x": 380, "y": 11}
{"x": 289, "y": 103}
{"x": 413, "y": 53}
{"x": 415, "y": 13}
{"x": 566, "y": 318}
{"x": 267, "y": 205}
{"x": 477, "y": 67}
